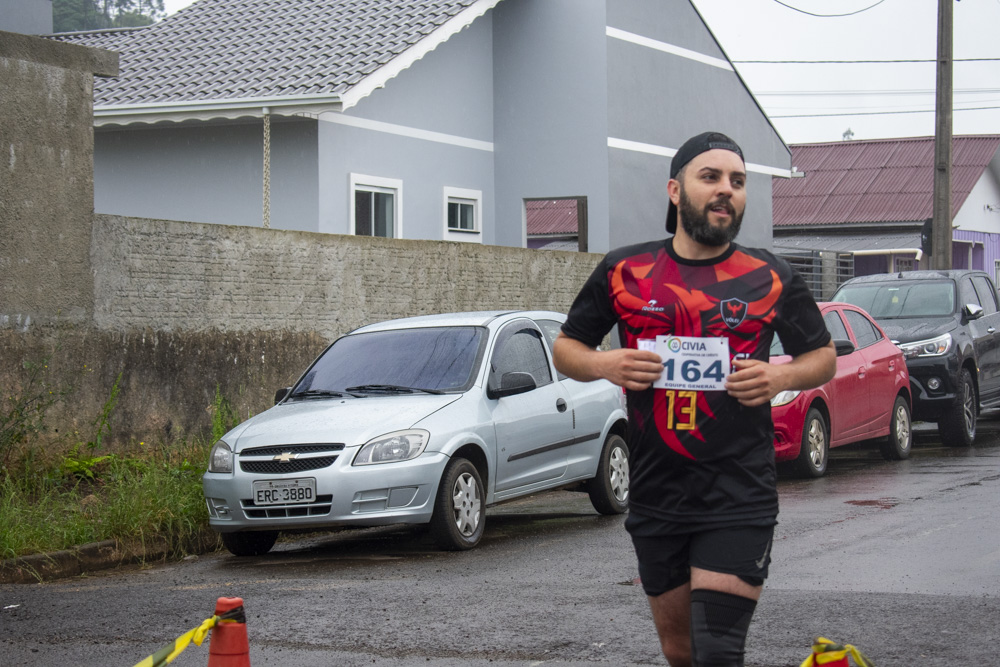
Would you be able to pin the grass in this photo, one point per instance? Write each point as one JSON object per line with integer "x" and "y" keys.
{"x": 59, "y": 493}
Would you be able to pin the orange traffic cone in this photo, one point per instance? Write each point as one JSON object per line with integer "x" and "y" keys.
{"x": 229, "y": 646}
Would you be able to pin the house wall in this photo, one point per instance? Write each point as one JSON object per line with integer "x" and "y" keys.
{"x": 550, "y": 122}
{"x": 209, "y": 173}
{"x": 981, "y": 210}
{"x": 423, "y": 117}
{"x": 660, "y": 99}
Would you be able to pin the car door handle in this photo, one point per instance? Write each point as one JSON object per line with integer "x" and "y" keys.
{"x": 861, "y": 373}
{"x": 991, "y": 330}
{"x": 561, "y": 405}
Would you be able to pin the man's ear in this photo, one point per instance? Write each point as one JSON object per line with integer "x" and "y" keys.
{"x": 674, "y": 191}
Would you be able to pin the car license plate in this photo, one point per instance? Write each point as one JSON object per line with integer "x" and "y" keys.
{"x": 284, "y": 491}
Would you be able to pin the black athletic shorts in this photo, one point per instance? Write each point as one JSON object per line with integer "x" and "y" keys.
{"x": 666, "y": 559}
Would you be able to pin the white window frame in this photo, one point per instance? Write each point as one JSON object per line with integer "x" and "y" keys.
{"x": 464, "y": 196}
{"x": 377, "y": 184}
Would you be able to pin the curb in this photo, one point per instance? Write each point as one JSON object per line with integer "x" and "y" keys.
{"x": 92, "y": 557}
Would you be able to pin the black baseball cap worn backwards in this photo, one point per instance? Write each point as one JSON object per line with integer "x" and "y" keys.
{"x": 691, "y": 149}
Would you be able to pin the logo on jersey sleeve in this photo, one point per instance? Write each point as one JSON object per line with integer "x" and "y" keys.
{"x": 733, "y": 312}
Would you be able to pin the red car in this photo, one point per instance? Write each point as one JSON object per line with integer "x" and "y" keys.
{"x": 868, "y": 398}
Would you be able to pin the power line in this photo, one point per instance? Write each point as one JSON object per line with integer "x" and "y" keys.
{"x": 829, "y": 16}
{"x": 857, "y": 62}
{"x": 874, "y": 113}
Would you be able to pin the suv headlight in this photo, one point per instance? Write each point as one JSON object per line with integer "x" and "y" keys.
{"x": 393, "y": 447}
{"x": 221, "y": 458}
{"x": 933, "y": 347}
{"x": 783, "y": 397}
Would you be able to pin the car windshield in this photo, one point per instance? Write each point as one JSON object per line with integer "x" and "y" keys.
{"x": 436, "y": 359}
{"x": 901, "y": 300}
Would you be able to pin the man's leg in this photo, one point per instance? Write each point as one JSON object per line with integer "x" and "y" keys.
{"x": 721, "y": 608}
{"x": 672, "y": 616}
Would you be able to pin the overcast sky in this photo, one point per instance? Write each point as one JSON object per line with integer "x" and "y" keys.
{"x": 876, "y": 30}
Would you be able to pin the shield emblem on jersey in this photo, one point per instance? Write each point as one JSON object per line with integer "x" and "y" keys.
{"x": 733, "y": 312}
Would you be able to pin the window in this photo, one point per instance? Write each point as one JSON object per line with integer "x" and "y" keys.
{"x": 375, "y": 206}
{"x": 904, "y": 264}
{"x": 987, "y": 297}
{"x": 864, "y": 332}
{"x": 835, "y": 326}
{"x": 462, "y": 214}
{"x": 519, "y": 348}
{"x": 966, "y": 293}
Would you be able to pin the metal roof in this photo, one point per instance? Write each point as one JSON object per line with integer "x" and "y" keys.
{"x": 872, "y": 244}
{"x": 881, "y": 180}
{"x": 271, "y": 49}
{"x": 551, "y": 216}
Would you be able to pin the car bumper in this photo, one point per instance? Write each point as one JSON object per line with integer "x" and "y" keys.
{"x": 930, "y": 404}
{"x": 360, "y": 495}
{"x": 788, "y": 425}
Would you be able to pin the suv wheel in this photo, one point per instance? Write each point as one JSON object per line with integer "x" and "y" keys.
{"x": 957, "y": 427}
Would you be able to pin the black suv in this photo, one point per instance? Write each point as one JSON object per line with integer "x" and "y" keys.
{"x": 946, "y": 323}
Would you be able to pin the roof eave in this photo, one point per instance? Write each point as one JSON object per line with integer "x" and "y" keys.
{"x": 204, "y": 110}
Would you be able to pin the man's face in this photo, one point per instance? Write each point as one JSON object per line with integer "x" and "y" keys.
{"x": 712, "y": 197}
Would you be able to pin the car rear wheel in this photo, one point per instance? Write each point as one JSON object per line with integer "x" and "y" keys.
{"x": 609, "y": 489}
{"x": 459, "y": 515}
{"x": 957, "y": 427}
{"x": 255, "y": 543}
{"x": 815, "y": 445}
{"x": 897, "y": 446}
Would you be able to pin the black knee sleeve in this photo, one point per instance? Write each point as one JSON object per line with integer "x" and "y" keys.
{"x": 719, "y": 624}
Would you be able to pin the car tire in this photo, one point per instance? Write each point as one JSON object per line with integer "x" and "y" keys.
{"x": 255, "y": 543}
{"x": 897, "y": 446}
{"x": 815, "y": 449}
{"x": 609, "y": 489}
{"x": 957, "y": 427}
{"x": 459, "y": 510}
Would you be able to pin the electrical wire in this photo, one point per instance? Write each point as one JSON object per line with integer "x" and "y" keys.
{"x": 857, "y": 62}
{"x": 875, "y": 113}
{"x": 829, "y": 16}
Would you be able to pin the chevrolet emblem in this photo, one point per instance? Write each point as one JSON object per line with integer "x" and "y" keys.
{"x": 287, "y": 457}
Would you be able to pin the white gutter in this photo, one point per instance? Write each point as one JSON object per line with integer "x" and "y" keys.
{"x": 663, "y": 151}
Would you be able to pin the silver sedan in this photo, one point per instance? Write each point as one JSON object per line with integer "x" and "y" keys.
{"x": 423, "y": 420}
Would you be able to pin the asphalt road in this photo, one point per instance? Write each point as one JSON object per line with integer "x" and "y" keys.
{"x": 901, "y": 559}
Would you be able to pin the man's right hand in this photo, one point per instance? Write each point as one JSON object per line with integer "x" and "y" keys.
{"x": 635, "y": 370}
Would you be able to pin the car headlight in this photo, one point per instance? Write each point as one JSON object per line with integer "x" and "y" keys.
{"x": 393, "y": 447}
{"x": 783, "y": 397}
{"x": 221, "y": 458}
{"x": 933, "y": 347}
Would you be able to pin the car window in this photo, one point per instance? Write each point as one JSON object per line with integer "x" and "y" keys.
{"x": 926, "y": 298}
{"x": 967, "y": 293}
{"x": 520, "y": 348}
{"x": 550, "y": 329}
{"x": 835, "y": 326}
{"x": 987, "y": 295}
{"x": 442, "y": 358}
{"x": 864, "y": 331}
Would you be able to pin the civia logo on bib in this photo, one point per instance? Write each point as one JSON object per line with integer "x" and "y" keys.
{"x": 733, "y": 312}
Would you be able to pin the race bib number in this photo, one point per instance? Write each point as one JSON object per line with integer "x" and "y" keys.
{"x": 690, "y": 363}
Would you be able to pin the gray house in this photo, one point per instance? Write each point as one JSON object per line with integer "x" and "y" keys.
{"x": 419, "y": 119}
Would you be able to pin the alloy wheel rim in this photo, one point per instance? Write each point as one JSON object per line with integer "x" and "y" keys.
{"x": 467, "y": 504}
{"x": 902, "y": 428}
{"x": 969, "y": 408}
{"x": 619, "y": 474}
{"x": 816, "y": 444}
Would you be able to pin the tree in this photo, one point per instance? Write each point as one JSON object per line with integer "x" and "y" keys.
{"x": 70, "y": 15}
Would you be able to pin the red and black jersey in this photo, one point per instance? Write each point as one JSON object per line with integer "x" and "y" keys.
{"x": 699, "y": 457}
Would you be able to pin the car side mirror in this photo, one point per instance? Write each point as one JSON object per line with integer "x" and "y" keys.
{"x": 280, "y": 395}
{"x": 973, "y": 311}
{"x": 844, "y": 347}
{"x": 515, "y": 382}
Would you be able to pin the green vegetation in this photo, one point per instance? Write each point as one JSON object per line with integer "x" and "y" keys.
{"x": 71, "y": 15}
{"x": 58, "y": 493}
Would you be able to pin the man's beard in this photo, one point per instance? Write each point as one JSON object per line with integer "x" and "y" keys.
{"x": 696, "y": 223}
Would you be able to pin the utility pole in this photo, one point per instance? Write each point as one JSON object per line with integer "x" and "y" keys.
{"x": 941, "y": 227}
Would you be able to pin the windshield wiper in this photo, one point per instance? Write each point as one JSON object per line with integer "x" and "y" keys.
{"x": 394, "y": 388}
{"x": 317, "y": 393}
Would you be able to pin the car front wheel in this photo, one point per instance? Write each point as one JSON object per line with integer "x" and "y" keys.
{"x": 815, "y": 445}
{"x": 459, "y": 515}
{"x": 609, "y": 489}
{"x": 957, "y": 427}
{"x": 900, "y": 441}
{"x": 255, "y": 543}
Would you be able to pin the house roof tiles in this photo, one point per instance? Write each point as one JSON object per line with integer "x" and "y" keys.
{"x": 884, "y": 180}
{"x": 223, "y": 49}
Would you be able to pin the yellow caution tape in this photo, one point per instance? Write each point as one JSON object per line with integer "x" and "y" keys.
{"x": 167, "y": 654}
{"x": 826, "y": 651}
